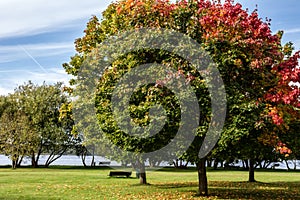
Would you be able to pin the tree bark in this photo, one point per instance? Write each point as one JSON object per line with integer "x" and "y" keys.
{"x": 83, "y": 157}
{"x": 209, "y": 163}
{"x": 295, "y": 164}
{"x": 20, "y": 161}
{"x": 287, "y": 165}
{"x": 14, "y": 164}
{"x": 34, "y": 163}
{"x": 251, "y": 171}
{"x": 246, "y": 164}
{"x": 54, "y": 156}
{"x": 202, "y": 178}
{"x": 143, "y": 178}
{"x": 175, "y": 163}
{"x": 216, "y": 162}
{"x": 186, "y": 164}
{"x": 93, "y": 164}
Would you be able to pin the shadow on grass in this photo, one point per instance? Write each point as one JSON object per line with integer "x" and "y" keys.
{"x": 173, "y": 169}
{"x": 242, "y": 190}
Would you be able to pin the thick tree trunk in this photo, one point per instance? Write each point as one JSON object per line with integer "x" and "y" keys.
{"x": 143, "y": 179}
{"x": 251, "y": 171}
{"x": 202, "y": 178}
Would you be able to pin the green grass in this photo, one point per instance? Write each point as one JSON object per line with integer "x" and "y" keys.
{"x": 70, "y": 183}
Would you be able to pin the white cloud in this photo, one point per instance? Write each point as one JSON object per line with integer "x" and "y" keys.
{"x": 10, "y": 79}
{"x": 19, "y": 17}
{"x": 5, "y": 90}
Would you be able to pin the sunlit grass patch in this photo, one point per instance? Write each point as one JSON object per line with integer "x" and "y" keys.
{"x": 73, "y": 184}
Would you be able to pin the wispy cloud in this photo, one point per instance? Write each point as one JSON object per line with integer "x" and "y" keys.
{"x": 294, "y": 30}
{"x": 12, "y": 53}
{"x": 10, "y": 79}
{"x": 35, "y": 55}
{"x": 19, "y": 17}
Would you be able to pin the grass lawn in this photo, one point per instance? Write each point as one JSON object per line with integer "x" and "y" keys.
{"x": 68, "y": 183}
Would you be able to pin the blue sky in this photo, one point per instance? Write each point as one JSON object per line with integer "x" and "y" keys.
{"x": 37, "y": 36}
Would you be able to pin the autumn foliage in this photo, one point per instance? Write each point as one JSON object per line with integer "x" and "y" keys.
{"x": 223, "y": 22}
{"x": 257, "y": 69}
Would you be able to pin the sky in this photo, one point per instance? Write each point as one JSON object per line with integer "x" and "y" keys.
{"x": 37, "y": 36}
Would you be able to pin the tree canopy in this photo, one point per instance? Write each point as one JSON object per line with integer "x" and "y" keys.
{"x": 259, "y": 73}
{"x": 31, "y": 124}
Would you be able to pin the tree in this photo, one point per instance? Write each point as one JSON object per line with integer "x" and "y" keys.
{"x": 290, "y": 149}
{"x": 17, "y": 137}
{"x": 255, "y": 67}
{"x": 31, "y": 123}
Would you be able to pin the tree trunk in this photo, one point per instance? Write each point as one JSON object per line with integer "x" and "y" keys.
{"x": 260, "y": 165}
{"x": 34, "y": 161}
{"x": 202, "y": 178}
{"x": 93, "y": 164}
{"x": 287, "y": 165}
{"x": 14, "y": 161}
{"x": 142, "y": 173}
{"x": 54, "y": 155}
{"x": 20, "y": 161}
{"x": 186, "y": 164}
{"x": 83, "y": 157}
{"x": 14, "y": 164}
{"x": 36, "y": 156}
{"x": 175, "y": 163}
{"x": 295, "y": 164}
{"x": 246, "y": 164}
{"x": 209, "y": 163}
{"x": 222, "y": 164}
{"x": 216, "y": 162}
{"x": 251, "y": 170}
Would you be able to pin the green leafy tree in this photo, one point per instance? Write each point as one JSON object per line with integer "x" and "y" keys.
{"x": 33, "y": 115}
{"x": 255, "y": 67}
{"x": 17, "y": 136}
{"x": 289, "y": 151}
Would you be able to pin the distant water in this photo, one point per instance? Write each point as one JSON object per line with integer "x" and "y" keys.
{"x": 73, "y": 160}
{"x": 70, "y": 160}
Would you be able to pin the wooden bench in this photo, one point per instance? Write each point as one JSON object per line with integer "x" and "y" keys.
{"x": 275, "y": 165}
{"x": 119, "y": 174}
{"x": 104, "y": 163}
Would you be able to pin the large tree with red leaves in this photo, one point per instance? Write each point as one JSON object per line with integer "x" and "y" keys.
{"x": 259, "y": 73}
